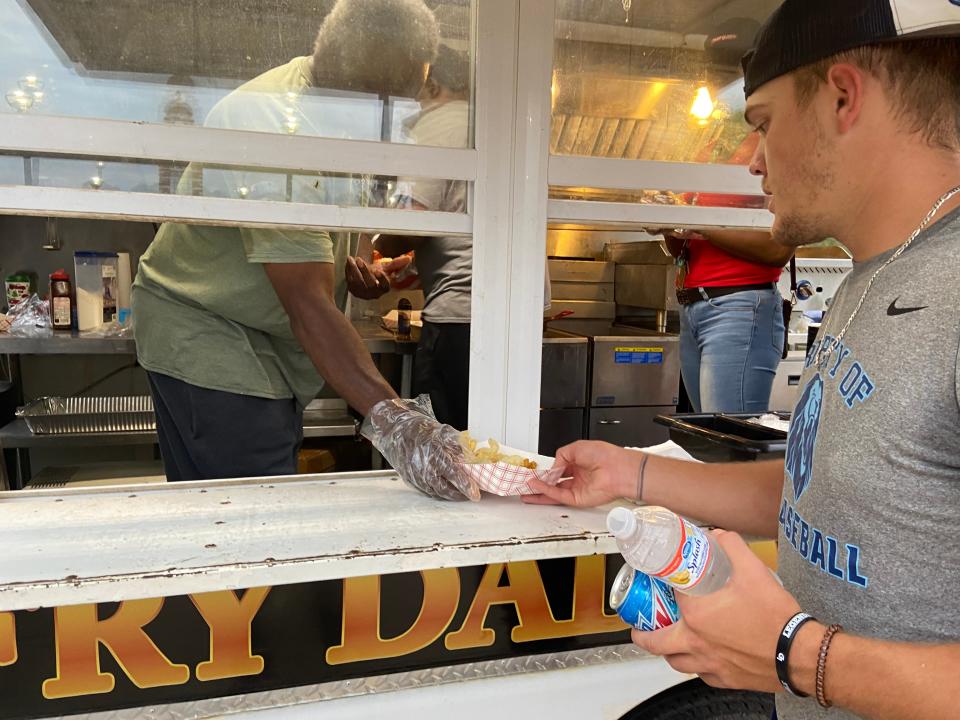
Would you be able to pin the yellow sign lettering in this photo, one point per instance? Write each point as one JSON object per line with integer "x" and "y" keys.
{"x": 589, "y": 593}
{"x": 524, "y": 590}
{"x": 79, "y": 634}
{"x": 8, "y": 639}
{"x": 230, "y": 620}
{"x": 526, "y": 593}
{"x": 361, "y": 638}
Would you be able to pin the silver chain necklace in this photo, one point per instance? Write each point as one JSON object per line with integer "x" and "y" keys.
{"x": 826, "y": 349}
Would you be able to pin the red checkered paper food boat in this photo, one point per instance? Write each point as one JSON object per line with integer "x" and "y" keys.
{"x": 504, "y": 479}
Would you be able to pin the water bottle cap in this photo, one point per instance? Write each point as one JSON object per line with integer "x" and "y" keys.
{"x": 621, "y": 522}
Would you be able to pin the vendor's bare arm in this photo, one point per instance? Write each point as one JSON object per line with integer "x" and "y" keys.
{"x": 338, "y": 353}
{"x": 877, "y": 679}
{"x": 755, "y": 246}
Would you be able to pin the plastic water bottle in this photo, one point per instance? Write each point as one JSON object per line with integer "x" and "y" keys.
{"x": 662, "y": 544}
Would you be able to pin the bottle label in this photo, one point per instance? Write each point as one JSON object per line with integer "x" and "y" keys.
{"x": 689, "y": 565}
{"x": 61, "y": 312}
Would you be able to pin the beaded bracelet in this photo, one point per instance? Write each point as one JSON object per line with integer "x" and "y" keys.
{"x": 822, "y": 663}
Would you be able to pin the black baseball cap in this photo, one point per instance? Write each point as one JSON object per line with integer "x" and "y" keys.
{"x": 730, "y": 40}
{"x": 801, "y": 32}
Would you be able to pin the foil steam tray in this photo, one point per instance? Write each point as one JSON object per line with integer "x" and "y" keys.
{"x": 75, "y": 415}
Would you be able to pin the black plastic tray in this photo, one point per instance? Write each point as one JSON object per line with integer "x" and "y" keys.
{"x": 725, "y": 437}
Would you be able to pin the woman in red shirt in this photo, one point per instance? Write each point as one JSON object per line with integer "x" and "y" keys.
{"x": 731, "y": 317}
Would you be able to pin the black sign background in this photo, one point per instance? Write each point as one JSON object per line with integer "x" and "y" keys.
{"x": 292, "y": 631}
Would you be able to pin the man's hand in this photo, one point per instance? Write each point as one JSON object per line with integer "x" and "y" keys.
{"x": 729, "y": 637}
{"x": 369, "y": 281}
{"x": 597, "y": 473}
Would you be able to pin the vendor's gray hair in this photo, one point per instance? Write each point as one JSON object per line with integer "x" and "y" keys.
{"x": 375, "y": 46}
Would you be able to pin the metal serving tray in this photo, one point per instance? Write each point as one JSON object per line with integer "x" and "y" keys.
{"x": 60, "y": 416}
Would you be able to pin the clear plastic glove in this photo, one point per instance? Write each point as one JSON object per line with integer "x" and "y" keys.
{"x": 426, "y": 453}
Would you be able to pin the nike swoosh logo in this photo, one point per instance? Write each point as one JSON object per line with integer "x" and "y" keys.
{"x": 893, "y": 310}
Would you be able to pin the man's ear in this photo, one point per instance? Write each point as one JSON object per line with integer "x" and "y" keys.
{"x": 846, "y": 85}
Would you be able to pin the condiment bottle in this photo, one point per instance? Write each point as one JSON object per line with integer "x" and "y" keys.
{"x": 61, "y": 304}
{"x": 403, "y": 319}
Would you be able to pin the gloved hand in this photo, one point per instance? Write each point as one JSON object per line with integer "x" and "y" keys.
{"x": 426, "y": 453}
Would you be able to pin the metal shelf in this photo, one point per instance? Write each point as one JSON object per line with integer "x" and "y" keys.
{"x": 376, "y": 339}
{"x": 16, "y": 434}
{"x": 66, "y": 344}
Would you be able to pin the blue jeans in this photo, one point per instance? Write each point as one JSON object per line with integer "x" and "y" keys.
{"x": 730, "y": 348}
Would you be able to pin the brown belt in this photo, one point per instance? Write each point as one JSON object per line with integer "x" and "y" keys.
{"x": 688, "y": 296}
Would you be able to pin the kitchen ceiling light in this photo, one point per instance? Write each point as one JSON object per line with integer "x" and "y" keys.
{"x": 703, "y": 105}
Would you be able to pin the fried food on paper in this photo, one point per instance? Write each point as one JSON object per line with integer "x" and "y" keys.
{"x": 474, "y": 454}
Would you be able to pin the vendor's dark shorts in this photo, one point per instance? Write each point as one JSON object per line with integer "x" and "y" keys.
{"x": 210, "y": 434}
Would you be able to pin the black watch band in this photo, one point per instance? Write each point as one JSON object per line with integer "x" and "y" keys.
{"x": 784, "y": 643}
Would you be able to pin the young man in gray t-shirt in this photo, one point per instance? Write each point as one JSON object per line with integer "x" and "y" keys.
{"x": 858, "y": 110}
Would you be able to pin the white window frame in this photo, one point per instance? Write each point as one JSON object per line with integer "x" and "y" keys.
{"x": 510, "y": 217}
{"x": 55, "y": 135}
{"x": 614, "y": 215}
{"x": 107, "y": 139}
{"x": 616, "y": 174}
{"x": 115, "y": 205}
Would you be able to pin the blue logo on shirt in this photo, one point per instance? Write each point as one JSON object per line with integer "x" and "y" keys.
{"x": 831, "y": 555}
{"x": 803, "y": 436}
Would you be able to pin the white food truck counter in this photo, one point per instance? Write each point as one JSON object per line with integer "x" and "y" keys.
{"x": 93, "y": 545}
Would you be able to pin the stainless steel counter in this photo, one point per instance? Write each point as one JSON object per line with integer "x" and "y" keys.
{"x": 377, "y": 340}
{"x": 66, "y": 344}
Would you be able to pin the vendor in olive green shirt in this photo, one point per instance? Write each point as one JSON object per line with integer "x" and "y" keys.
{"x": 239, "y": 327}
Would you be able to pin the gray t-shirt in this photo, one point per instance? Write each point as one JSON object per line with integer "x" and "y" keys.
{"x": 445, "y": 264}
{"x": 872, "y": 484}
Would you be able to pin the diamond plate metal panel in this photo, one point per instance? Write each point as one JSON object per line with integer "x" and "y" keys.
{"x": 448, "y": 674}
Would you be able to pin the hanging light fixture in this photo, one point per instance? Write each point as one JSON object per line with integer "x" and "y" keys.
{"x": 32, "y": 85}
{"x": 703, "y": 105}
{"x": 30, "y": 82}
{"x": 291, "y": 113}
{"x": 20, "y": 100}
{"x": 96, "y": 181}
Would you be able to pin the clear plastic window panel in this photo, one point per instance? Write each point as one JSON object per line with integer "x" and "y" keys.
{"x": 348, "y": 69}
{"x": 653, "y": 80}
